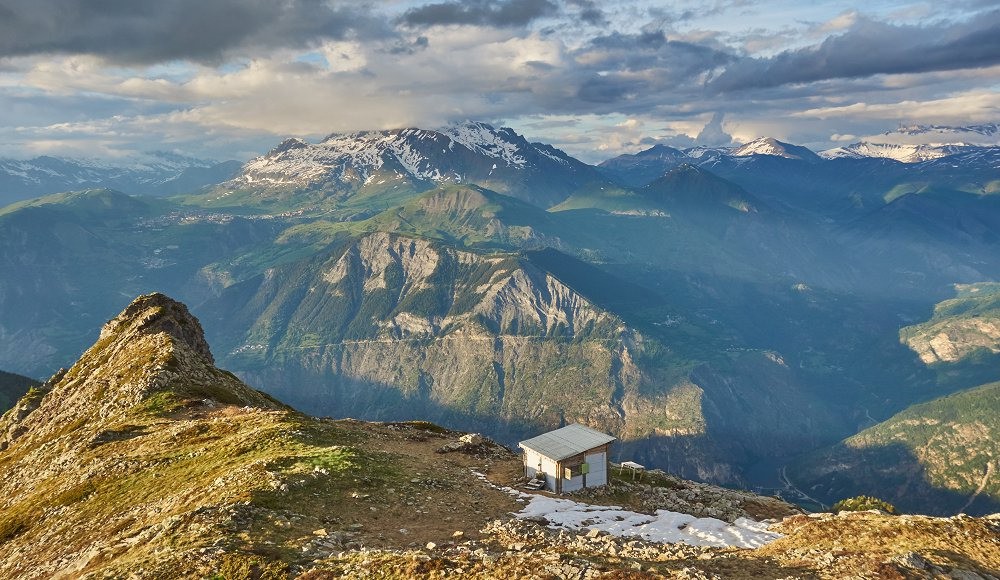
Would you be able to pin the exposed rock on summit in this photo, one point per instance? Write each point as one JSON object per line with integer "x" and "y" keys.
{"x": 153, "y": 353}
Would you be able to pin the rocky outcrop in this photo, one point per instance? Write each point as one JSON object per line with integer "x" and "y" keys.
{"x": 392, "y": 324}
{"x": 392, "y": 327}
{"x": 954, "y": 340}
{"x": 154, "y": 349}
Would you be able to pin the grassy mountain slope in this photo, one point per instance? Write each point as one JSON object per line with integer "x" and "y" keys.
{"x": 962, "y": 329}
{"x": 688, "y": 187}
{"x": 462, "y": 215}
{"x": 940, "y": 456}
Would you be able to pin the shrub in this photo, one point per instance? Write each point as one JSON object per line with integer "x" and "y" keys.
{"x": 863, "y": 503}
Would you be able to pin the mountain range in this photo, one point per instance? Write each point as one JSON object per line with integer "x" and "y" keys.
{"x": 155, "y": 173}
{"x": 728, "y": 313}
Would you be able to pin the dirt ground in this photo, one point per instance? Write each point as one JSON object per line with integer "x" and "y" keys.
{"x": 439, "y": 494}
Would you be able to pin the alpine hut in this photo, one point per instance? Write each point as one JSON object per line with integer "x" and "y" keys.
{"x": 571, "y": 458}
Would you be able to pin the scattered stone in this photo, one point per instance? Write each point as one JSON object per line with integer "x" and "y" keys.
{"x": 430, "y": 545}
{"x": 471, "y": 439}
{"x": 320, "y": 532}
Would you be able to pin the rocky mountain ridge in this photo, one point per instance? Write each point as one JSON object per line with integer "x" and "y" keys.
{"x": 403, "y": 159}
{"x": 154, "y": 350}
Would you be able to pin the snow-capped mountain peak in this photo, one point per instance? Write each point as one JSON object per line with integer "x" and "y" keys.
{"x": 918, "y": 143}
{"x": 468, "y": 152}
{"x": 903, "y": 153}
{"x": 503, "y": 144}
{"x": 761, "y": 146}
{"x": 771, "y": 146}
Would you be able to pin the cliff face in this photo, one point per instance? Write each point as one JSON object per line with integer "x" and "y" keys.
{"x": 392, "y": 327}
{"x": 961, "y": 328}
{"x": 473, "y": 335}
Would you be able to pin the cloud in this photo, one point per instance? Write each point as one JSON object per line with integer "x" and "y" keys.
{"x": 589, "y": 12}
{"x": 967, "y": 107}
{"x": 713, "y": 134}
{"x": 224, "y": 77}
{"x": 868, "y": 48}
{"x": 480, "y": 12}
{"x": 137, "y": 32}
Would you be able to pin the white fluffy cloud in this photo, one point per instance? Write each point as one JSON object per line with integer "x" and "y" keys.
{"x": 595, "y": 78}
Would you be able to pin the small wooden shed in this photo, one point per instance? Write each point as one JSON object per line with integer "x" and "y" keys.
{"x": 572, "y": 458}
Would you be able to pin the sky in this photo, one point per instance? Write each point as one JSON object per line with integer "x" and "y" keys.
{"x": 229, "y": 79}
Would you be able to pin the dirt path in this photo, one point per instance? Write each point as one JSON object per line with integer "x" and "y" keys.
{"x": 979, "y": 490}
{"x": 783, "y": 473}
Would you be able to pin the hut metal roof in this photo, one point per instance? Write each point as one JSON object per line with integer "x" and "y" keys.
{"x": 566, "y": 442}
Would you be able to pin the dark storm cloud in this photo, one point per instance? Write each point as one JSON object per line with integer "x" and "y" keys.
{"x": 607, "y": 90}
{"x": 132, "y": 31}
{"x": 870, "y": 48}
{"x": 481, "y": 12}
{"x": 589, "y": 12}
{"x": 632, "y": 73}
{"x": 652, "y": 51}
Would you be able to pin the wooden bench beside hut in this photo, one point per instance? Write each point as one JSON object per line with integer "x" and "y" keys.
{"x": 570, "y": 458}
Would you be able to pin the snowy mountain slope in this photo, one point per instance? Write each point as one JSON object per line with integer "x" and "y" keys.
{"x": 904, "y": 153}
{"x": 157, "y": 173}
{"x": 919, "y": 143}
{"x": 471, "y": 153}
{"x": 773, "y": 147}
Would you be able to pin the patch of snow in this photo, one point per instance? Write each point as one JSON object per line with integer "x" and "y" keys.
{"x": 552, "y": 156}
{"x": 664, "y": 527}
{"x": 904, "y": 153}
{"x": 482, "y": 138}
{"x": 762, "y": 146}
